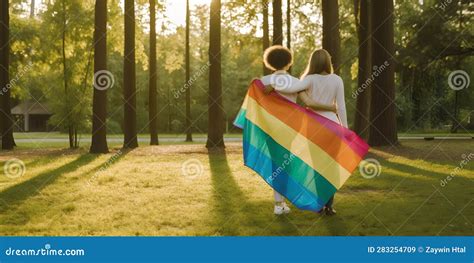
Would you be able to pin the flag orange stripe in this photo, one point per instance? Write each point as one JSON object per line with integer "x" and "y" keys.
{"x": 313, "y": 131}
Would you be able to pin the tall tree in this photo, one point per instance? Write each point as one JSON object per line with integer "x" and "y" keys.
{"x": 99, "y": 104}
{"x": 383, "y": 124}
{"x": 32, "y": 8}
{"x": 266, "y": 37}
{"x": 455, "y": 122}
{"x": 5, "y": 114}
{"x": 189, "y": 135}
{"x": 215, "y": 137}
{"x": 277, "y": 23}
{"x": 152, "y": 93}
{"x": 288, "y": 25}
{"x": 362, "y": 18}
{"x": 331, "y": 37}
{"x": 73, "y": 89}
{"x": 72, "y": 133}
{"x": 129, "y": 76}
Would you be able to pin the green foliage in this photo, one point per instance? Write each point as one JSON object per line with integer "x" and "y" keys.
{"x": 69, "y": 25}
{"x": 432, "y": 40}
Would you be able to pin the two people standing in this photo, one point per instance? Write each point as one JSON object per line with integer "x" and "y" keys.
{"x": 319, "y": 89}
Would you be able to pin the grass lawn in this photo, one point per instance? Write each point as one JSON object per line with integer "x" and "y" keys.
{"x": 144, "y": 192}
{"x": 57, "y": 135}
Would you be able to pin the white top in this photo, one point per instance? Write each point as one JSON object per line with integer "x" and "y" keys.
{"x": 324, "y": 89}
{"x": 281, "y": 80}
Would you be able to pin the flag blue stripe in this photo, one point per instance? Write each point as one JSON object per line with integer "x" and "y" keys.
{"x": 262, "y": 161}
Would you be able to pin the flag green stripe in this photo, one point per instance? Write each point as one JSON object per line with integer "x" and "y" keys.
{"x": 290, "y": 163}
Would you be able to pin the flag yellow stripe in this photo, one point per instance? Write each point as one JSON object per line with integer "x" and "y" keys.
{"x": 298, "y": 144}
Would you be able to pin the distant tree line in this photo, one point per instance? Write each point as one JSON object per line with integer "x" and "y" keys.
{"x": 70, "y": 42}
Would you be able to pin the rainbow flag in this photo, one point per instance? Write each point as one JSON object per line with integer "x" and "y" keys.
{"x": 299, "y": 153}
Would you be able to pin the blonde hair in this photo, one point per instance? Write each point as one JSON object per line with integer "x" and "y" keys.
{"x": 319, "y": 62}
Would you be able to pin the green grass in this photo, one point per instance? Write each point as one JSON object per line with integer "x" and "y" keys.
{"x": 144, "y": 192}
{"x": 59, "y": 140}
{"x": 58, "y": 135}
{"x": 44, "y": 140}
{"x": 437, "y": 134}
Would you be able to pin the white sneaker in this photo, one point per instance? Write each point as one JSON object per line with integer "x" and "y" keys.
{"x": 281, "y": 209}
{"x": 286, "y": 208}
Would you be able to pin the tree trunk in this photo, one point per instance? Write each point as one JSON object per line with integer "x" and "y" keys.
{"x": 65, "y": 76}
{"x": 32, "y": 9}
{"x": 129, "y": 89}
{"x": 152, "y": 93}
{"x": 455, "y": 124}
{"x": 266, "y": 38}
{"x": 331, "y": 38}
{"x": 76, "y": 142}
{"x": 5, "y": 115}
{"x": 288, "y": 27}
{"x": 361, "y": 120}
{"x": 277, "y": 23}
{"x": 189, "y": 135}
{"x": 215, "y": 138}
{"x": 99, "y": 100}
{"x": 170, "y": 109}
{"x": 383, "y": 129}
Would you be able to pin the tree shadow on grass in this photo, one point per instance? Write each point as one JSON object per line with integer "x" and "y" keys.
{"x": 451, "y": 181}
{"x": 39, "y": 161}
{"x": 230, "y": 201}
{"x": 414, "y": 170}
{"x": 235, "y": 215}
{"x": 432, "y": 179}
{"x": 391, "y": 173}
{"x": 445, "y": 152}
{"x": 414, "y": 207}
{"x": 21, "y": 192}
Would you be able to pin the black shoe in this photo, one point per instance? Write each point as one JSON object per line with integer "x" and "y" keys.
{"x": 329, "y": 211}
